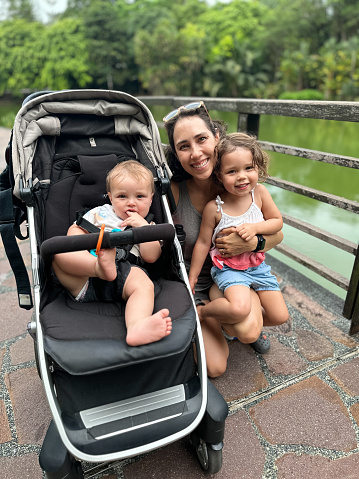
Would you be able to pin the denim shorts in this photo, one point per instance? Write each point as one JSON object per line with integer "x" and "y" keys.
{"x": 258, "y": 278}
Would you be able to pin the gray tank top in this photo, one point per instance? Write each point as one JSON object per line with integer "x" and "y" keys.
{"x": 187, "y": 215}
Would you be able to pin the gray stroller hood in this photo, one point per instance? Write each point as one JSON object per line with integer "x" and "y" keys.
{"x": 40, "y": 116}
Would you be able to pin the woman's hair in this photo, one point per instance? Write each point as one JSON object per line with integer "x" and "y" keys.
{"x": 232, "y": 141}
{"x": 131, "y": 168}
{"x": 214, "y": 126}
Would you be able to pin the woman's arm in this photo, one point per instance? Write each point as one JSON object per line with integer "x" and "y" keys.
{"x": 233, "y": 244}
{"x": 203, "y": 243}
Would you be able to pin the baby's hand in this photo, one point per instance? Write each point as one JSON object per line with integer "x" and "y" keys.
{"x": 247, "y": 231}
{"x": 134, "y": 219}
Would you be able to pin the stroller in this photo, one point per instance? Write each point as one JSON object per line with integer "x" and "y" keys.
{"x": 109, "y": 401}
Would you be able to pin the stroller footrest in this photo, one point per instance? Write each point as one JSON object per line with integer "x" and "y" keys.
{"x": 130, "y": 414}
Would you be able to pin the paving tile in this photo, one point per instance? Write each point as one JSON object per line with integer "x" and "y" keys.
{"x": 243, "y": 375}
{"x": 317, "y": 316}
{"x": 5, "y": 268}
{"x": 285, "y": 329}
{"x": 314, "y": 346}
{"x": 243, "y": 457}
{"x": 282, "y": 360}
{"x": 308, "y": 413}
{"x": 175, "y": 461}
{"x": 305, "y": 466}
{"x": 22, "y": 351}
{"x": 21, "y": 467}
{"x": 13, "y": 319}
{"x": 346, "y": 376}
{"x": 354, "y": 410}
{"x": 32, "y": 414}
{"x": 5, "y": 432}
{"x": 2, "y": 352}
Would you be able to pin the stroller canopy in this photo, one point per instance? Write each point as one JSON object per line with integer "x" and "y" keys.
{"x": 48, "y": 115}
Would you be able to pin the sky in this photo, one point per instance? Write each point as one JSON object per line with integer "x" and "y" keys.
{"x": 43, "y": 8}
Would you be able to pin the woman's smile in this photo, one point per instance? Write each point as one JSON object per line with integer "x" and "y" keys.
{"x": 200, "y": 164}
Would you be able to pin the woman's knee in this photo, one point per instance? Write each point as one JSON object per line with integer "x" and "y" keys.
{"x": 217, "y": 368}
{"x": 249, "y": 335}
{"x": 277, "y": 318}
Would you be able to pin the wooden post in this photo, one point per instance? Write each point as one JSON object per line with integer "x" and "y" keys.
{"x": 248, "y": 123}
{"x": 351, "y": 305}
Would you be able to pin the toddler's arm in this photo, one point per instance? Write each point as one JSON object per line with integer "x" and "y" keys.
{"x": 272, "y": 223}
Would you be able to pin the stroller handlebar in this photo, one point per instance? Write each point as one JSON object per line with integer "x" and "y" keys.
{"x": 144, "y": 234}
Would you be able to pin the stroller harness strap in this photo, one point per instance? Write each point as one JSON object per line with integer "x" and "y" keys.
{"x": 123, "y": 254}
{"x": 8, "y": 228}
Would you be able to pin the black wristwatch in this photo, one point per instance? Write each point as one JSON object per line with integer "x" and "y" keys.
{"x": 260, "y": 245}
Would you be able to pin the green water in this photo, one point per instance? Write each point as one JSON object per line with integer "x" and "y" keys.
{"x": 8, "y": 110}
{"x": 322, "y": 135}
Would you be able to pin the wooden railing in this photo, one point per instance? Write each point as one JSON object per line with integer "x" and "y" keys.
{"x": 249, "y": 112}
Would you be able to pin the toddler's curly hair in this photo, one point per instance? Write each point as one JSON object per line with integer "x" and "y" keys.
{"x": 232, "y": 141}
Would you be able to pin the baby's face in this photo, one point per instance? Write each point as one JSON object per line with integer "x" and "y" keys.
{"x": 131, "y": 195}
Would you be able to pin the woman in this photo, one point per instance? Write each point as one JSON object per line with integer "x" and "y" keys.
{"x": 193, "y": 137}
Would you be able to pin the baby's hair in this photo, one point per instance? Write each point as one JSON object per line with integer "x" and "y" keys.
{"x": 232, "y": 141}
{"x": 131, "y": 168}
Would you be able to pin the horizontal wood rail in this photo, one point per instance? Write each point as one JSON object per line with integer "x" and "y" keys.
{"x": 249, "y": 112}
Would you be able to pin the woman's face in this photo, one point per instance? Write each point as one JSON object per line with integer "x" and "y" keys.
{"x": 195, "y": 144}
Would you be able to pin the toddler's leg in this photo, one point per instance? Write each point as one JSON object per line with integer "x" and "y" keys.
{"x": 233, "y": 307}
{"x": 73, "y": 269}
{"x": 143, "y": 327}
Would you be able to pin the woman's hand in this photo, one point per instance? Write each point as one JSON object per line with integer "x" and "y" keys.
{"x": 231, "y": 244}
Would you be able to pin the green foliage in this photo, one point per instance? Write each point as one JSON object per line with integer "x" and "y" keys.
{"x": 306, "y": 94}
{"x": 19, "y": 59}
{"x": 241, "y": 48}
{"x": 64, "y": 56}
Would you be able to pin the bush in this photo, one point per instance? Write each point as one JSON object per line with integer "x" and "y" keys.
{"x": 307, "y": 94}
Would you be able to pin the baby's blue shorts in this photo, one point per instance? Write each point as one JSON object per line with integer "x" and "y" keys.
{"x": 258, "y": 278}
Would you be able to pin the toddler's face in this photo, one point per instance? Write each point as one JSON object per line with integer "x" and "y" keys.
{"x": 237, "y": 172}
{"x": 131, "y": 195}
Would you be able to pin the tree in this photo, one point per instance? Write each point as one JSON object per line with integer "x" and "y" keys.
{"x": 63, "y": 53}
{"x": 21, "y": 9}
{"x": 19, "y": 58}
{"x": 107, "y": 38}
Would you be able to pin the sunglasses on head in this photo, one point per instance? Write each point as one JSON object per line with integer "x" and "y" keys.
{"x": 189, "y": 107}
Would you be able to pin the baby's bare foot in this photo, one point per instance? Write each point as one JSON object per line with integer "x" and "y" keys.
{"x": 150, "y": 329}
{"x": 106, "y": 264}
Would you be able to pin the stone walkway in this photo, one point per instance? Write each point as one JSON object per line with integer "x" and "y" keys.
{"x": 294, "y": 413}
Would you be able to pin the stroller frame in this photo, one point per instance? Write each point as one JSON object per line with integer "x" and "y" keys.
{"x": 207, "y": 427}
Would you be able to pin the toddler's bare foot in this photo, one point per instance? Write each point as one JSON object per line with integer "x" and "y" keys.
{"x": 150, "y": 329}
{"x": 106, "y": 265}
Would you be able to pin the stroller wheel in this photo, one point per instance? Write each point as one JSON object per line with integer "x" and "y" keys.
{"x": 209, "y": 458}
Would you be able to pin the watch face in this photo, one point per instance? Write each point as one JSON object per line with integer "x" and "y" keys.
{"x": 261, "y": 243}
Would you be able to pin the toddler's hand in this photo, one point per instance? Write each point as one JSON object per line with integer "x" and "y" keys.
{"x": 246, "y": 231}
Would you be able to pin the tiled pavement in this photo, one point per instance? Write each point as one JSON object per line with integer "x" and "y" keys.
{"x": 294, "y": 413}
